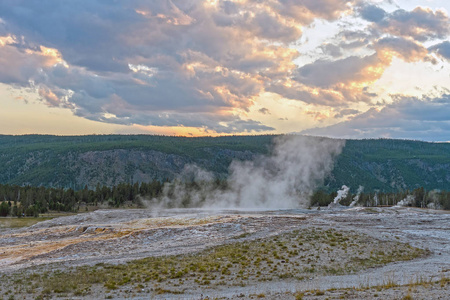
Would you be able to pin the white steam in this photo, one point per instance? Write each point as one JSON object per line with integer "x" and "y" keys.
{"x": 408, "y": 201}
{"x": 284, "y": 179}
{"x": 433, "y": 198}
{"x": 341, "y": 194}
{"x": 357, "y": 196}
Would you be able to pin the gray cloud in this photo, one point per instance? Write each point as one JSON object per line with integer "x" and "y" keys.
{"x": 372, "y": 13}
{"x": 264, "y": 111}
{"x": 420, "y": 24}
{"x": 332, "y": 50}
{"x": 443, "y": 49}
{"x": 17, "y": 67}
{"x": 327, "y": 73}
{"x": 346, "y": 112}
{"x": 406, "y": 49}
{"x": 407, "y": 118}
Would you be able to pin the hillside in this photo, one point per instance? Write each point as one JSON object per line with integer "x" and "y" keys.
{"x": 76, "y": 161}
{"x": 392, "y": 165}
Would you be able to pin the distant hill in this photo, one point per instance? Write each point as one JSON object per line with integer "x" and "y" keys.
{"x": 393, "y": 165}
{"x": 76, "y": 161}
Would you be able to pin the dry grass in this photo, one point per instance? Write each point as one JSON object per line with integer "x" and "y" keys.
{"x": 14, "y": 222}
{"x": 21, "y": 222}
{"x": 295, "y": 255}
{"x": 417, "y": 288}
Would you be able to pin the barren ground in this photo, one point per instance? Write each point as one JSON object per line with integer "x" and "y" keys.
{"x": 390, "y": 253}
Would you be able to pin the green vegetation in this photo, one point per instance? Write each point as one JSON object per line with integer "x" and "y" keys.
{"x": 392, "y": 165}
{"x": 296, "y": 255}
{"x": 31, "y": 201}
{"x": 108, "y": 160}
{"x": 167, "y": 144}
{"x": 59, "y": 161}
{"x": 20, "y": 222}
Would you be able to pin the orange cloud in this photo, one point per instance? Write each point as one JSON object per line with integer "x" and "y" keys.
{"x": 7, "y": 40}
{"x": 405, "y": 49}
{"x": 318, "y": 115}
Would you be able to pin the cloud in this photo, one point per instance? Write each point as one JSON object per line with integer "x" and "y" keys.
{"x": 19, "y": 63}
{"x": 264, "y": 111}
{"x": 329, "y": 73}
{"x": 407, "y": 50}
{"x": 406, "y": 118}
{"x": 343, "y": 77}
{"x": 200, "y": 63}
{"x": 420, "y": 24}
{"x": 317, "y": 115}
{"x": 346, "y": 112}
{"x": 307, "y": 10}
{"x": 332, "y": 50}
{"x": 335, "y": 83}
{"x": 372, "y": 13}
{"x": 157, "y": 62}
{"x": 442, "y": 49}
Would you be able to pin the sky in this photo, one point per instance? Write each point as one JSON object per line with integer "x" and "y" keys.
{"x": 336, "y": 68}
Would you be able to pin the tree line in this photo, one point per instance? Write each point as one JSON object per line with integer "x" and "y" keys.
{"x": 31, "y": 201}
{"x": 20, "y": 201}
{"x": 418, "y": 197}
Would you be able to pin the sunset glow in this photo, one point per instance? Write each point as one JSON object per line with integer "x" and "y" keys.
{"x": 218, "y": 67}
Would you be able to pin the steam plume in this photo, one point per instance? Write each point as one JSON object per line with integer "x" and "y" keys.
{"x": 433, "y": 197}
{"x": 407, "y": 201}
{"x": 341, "y": 194}
{"x": 284, "y": 179}
{"x": 358, "y": 194}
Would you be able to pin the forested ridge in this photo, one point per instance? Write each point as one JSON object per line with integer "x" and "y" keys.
{"x": 74, "y": 162}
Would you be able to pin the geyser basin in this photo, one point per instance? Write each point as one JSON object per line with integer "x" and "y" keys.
{"x": 122, "y": 236}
